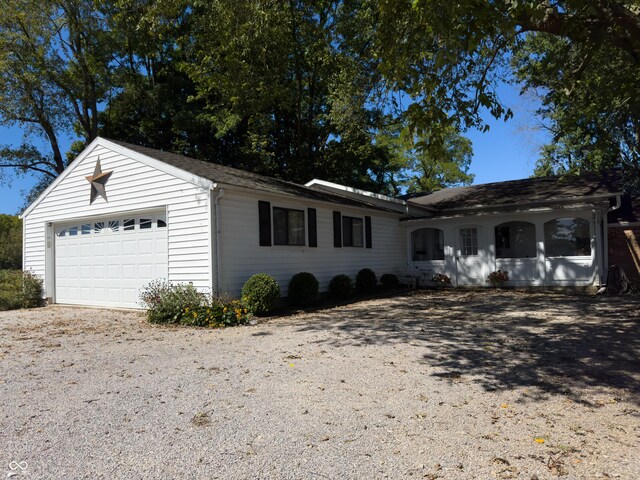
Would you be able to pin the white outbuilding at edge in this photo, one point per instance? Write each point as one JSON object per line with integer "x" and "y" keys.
{"x": 122, "y": 215}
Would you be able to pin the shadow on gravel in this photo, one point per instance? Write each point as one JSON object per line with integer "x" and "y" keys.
{"x": 558, "y": 343}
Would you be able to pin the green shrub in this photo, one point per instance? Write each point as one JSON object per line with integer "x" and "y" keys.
{"x": 20, "y": 290}
{"x": 389, "y": 280}
{"x": 341, "y": 286}
{"x": 366, "y": 281}
{"x": 259, "y": 293}
{"x": 32, "y": 290}
{"x": 303, "y": 289}
{"x": 166, "y": 302}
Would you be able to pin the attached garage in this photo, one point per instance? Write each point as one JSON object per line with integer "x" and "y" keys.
{"x": 114, "y": 221}
{"x": 106, "y": 261}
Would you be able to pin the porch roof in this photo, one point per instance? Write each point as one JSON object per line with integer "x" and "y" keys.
{"x": 523, "y": 193}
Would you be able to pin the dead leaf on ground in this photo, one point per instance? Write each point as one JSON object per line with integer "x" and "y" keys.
{"x": 201, "y": 419}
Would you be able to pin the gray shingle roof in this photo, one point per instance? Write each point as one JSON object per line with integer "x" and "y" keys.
{"x": 233, "y": 176}
{"x": 525, "y": 192}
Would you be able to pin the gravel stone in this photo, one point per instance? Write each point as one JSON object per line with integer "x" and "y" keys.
{"x": 437, "y": 385}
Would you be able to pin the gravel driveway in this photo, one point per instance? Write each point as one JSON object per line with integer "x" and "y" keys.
{"x": 451, "y": 385}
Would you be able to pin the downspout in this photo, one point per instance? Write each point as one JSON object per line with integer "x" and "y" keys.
{"x": 605, "y": 235}
{"x": 617, "y": 205}
{"x": 216, "y": 203}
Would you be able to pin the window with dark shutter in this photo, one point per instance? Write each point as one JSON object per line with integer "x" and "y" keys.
{"x": 352, "y": 232}
{"x": 313, "y": 227}
{"x": 367, "y": 232}
{"x": 264, "y": 213}
{"x": 337, "y": 230}
{"x": 288, "y": 226}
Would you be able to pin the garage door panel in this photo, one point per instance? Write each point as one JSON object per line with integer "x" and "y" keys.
{"x": 108, "y": 266}
{"x": 113, "y": 249}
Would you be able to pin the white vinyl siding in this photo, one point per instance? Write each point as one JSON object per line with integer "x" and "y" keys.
{"x": 540, "y": 269}
{"x": 133, "y": 187}
{"x": 242, "y": 256}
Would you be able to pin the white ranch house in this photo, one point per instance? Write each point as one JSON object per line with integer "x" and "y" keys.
{"x": 122, "y": 215}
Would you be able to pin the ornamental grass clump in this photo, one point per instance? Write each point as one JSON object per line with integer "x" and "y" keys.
{"x": 498, "y": 278}
{"x": 260, "y": 292}
{"x": 303, "y": 289}
{"x": 366, "y": 281}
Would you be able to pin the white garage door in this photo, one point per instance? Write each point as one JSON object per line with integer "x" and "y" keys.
{"x": 105, "y": 261}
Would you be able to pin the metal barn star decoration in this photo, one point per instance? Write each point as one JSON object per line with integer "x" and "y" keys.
{"x": 98, "y": 181}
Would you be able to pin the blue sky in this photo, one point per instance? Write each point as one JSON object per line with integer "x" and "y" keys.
{"x": 507, "y": 152}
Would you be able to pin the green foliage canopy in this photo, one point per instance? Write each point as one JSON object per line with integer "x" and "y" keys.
{"x": 10, "y": 242}
{"x": 581, "y": 56}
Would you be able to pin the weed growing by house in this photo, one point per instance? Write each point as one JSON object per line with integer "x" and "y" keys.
{"x": 303, "y": 289}
{"x": 20, "y": 289}
{"x": 341, "y": 286}
{"x": 366, "y": 281}
{"x": 259, "y": 293}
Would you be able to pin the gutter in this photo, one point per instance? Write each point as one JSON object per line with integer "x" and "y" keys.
{"x": 497, "y": 208}
{"x": 216, "y": 203}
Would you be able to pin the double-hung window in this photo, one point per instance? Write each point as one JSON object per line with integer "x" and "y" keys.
{"x": 288, "y": 226}
{"x": 352, "y": 232}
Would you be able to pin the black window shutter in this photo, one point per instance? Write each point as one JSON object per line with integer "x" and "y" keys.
{"x": 337, "y": 230}
{"x": 367, "y": 231}
{"x": 264, "y": 212}
{"x": 313, "y": 228}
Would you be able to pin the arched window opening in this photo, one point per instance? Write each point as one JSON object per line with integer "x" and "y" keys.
{"x": 427, "y": 244}
{"x": 567, "y": 237}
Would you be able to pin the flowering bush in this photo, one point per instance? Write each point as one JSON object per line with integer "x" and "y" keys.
{"x": 441, "y": 279}
{"x": 221, "y": 313}
{"x": 498, "y": 278}
{"x": 185, "y": 305}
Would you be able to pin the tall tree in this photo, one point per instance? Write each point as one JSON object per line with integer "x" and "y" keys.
{"x": 450, "y": 56}
{"x": 291, "y": 81}
{"x": 423, "y": 166}
{"x": 593, "y": 121}
{"x": 54, "y": 57}
{"x": 10, "y": 242}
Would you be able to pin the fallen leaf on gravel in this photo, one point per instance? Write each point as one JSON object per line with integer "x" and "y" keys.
{"x": 201, "y": 419}
{"x": 539, "y": 440}
{"x": 291, "y": 365}
{"x": 556, "y": 466}
{"x": 505, "y": 405}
